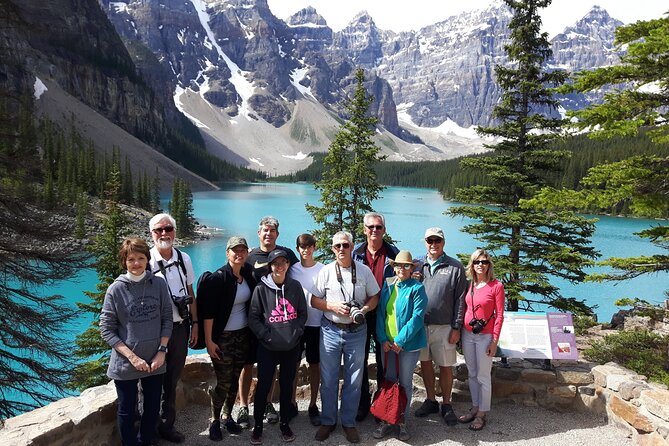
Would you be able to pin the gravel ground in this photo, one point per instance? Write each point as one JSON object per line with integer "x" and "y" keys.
{"x": 508, "y": 424}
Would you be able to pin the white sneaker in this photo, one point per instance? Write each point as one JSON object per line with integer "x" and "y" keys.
{"x": 382, "y": 430}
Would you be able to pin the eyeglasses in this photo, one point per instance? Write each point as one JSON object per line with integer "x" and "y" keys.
{"x": 163, "y": 229}
{"x": 403, "y": 266}
{"x": 341, "y": 246}
{"x": 433, "y": 241}
{"x": 372, "y": 227}
{"x": 481, "y": 262}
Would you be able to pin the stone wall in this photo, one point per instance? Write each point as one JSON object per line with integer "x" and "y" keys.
{"x": 627, "y": 399}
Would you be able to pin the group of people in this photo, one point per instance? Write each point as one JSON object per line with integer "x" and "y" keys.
{"x": 267, "y": 306}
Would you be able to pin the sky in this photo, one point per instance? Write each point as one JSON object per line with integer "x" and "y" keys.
{"x": 414, "y": 14}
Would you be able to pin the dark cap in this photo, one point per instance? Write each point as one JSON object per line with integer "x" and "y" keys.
{"x": 276, "y": 254}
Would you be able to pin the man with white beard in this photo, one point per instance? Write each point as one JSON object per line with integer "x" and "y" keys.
{"x": 177, "y": 270}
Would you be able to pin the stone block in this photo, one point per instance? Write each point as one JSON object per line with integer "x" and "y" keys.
{"x": 601, "y": 373}
{"x": 562, "y": 391}
{"x": 631, "y": 414}
{"x": 587, "y": 390}
{"x": 651, "y": 439}
{"x": 590, "y": 403}
{"x": 556, "y": 402}
{"x": 656, "y": 402}
{"x": 577, "y": 377}
{"x": 460, "y": 372}
{"x": 502, "y": 388}
{"x": 198, "y": 368}
{"x": 614, "y": 382}
{"x": 510, "y": 374}
{"x": 631, "y": 389}
{"x": 537, "y": 376}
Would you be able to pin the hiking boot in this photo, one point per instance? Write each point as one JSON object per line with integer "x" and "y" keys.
{"x": 324, "y": 432}
{"x": 256, "y": 435}
{"x": 232, "y": 427}
{"x": 170, "y": 434}
{"x": 427, "y": 408}
{"x": 352, "y": 435}
{"x": 382, "y": 430}
{"x": 314, "y": 415}
{"x": 286, "y": 432}
{"x": 448, "y": 415}
{"x": 404, "y": 433}
{"x": 270, "y": 414}
{"x": 243, "y": 417}
{"x": 215, "y": 433}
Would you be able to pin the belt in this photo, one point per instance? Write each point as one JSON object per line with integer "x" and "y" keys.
{"x": 343, "y": 326}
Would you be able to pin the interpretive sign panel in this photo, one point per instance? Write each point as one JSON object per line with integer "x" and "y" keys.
{"x": 537, "y": 335}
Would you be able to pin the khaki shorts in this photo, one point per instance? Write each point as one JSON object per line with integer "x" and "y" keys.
{"x": 438, "y": 348}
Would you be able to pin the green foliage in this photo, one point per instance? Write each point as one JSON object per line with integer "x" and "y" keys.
{"x": 349, "y": 183}
{"x": 91, "y": 348}
{"x": 181, "y": 208}
{"x": 582, "y": 323}
{"x": 529, "y": 245}
{"x": 641, "y": 82}
{"x": 643, "y": 351}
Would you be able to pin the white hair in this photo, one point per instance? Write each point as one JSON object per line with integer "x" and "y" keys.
{"x": 160, "y": 217}
{"x": 342, "y": 234}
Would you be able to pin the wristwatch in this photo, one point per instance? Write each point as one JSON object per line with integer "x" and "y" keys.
{"x": 162, "y": 348}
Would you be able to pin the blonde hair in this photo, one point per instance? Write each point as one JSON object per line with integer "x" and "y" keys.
{"x": 471, "y": 274}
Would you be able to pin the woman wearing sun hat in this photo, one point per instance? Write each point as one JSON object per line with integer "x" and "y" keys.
{"x": 400, "y": 330}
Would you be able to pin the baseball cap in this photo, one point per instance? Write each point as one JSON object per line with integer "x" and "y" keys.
{"x": 235, "y": 241}
{"x": 434, "y": 232}
{"x": 276, "y": 254}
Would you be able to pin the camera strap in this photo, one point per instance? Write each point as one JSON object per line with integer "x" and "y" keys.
{"x": 163, "y": 269}
{"x": 475, "y": 307}
{"x": 340, "y": 279}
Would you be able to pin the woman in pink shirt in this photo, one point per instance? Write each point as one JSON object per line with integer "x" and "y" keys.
{"x": 484, "y": 314}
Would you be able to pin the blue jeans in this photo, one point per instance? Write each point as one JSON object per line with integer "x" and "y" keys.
{"x": 408, "y": 362}
{"x": 127, "y": 404}
{"x": 479, "y": 367}
{"x": 335, "y": 343}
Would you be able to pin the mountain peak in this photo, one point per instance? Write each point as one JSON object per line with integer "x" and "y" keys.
{"x": 306, "y": 16}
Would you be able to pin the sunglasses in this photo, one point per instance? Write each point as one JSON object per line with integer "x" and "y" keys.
{"x": 342, "y": 246}
{"x": 163, "y": 229}
{"x": 403, "y": 266}
{"x": 481, "y": 262}
{"x": 372, "y": 227}
{"x": 433, "y": 241}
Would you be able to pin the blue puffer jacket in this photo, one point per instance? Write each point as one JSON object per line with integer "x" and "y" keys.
{"x": 409, "y": 311}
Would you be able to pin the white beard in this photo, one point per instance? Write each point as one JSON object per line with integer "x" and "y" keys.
{"x": 163, "y": 244}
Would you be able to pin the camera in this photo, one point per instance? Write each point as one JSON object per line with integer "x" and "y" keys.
{"x": 477, "y": 325}
{"x": 355, "y": 312}
{"x": 182, "y": 303}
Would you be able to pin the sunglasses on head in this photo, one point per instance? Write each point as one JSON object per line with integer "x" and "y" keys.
{"x": 372, "y": 227}
{"x": 481, "y": 262}
{"x": 341, "y": 245}
{"x": 163, "y": 229}
{"x": 433, "y": 241}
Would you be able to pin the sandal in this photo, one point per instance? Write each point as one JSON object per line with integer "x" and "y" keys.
{"x": 478, "y": 424}
{"x": 467, "y": 418}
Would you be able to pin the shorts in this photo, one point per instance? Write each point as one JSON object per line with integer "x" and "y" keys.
{"x": 309, "y": 343}
{"x": 252, "y": 352}
{"x": 438, "y": 349}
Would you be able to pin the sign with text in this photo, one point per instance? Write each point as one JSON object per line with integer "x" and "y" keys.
{"x": 537, "y": 336}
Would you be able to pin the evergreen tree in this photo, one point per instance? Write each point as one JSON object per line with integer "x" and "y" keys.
{"x": 36, "y": 252}
{"x": 90, "y": 346}
{"x": 349, "y": 183}
{"x": 529, "y": 245}
{"x": 155, "y": 194}
{"x": 181, "y": 207}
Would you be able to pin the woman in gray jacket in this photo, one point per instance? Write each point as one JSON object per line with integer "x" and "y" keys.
{"x": 136, "y": 321}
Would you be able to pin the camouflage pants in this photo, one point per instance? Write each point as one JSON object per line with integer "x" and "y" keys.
{"x": 234, "y": 345}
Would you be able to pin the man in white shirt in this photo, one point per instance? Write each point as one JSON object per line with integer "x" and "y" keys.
{"x": 345, "y": 292}
{"x": 177, "y": 270}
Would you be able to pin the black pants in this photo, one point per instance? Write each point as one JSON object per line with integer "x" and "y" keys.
{"x": 365, "y": 396}
{"x": 177, "y": 349}
{"x": 267, "y": 362}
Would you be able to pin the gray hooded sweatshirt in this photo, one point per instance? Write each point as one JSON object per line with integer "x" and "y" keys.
{"x": 137, "y": 314}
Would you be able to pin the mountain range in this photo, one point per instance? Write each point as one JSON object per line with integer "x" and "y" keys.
{"x": 263, "y": 92}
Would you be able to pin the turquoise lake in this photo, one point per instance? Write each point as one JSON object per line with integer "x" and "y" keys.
{"x": 236, "y": 210}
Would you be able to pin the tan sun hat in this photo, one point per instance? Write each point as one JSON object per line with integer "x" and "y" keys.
{"x": 402, "y": 258}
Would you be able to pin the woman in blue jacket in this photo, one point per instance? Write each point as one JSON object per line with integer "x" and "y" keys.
{"x": 400, "y": 330}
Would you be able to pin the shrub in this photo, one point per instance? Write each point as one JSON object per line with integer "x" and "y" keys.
{"x": 643, "y": 351}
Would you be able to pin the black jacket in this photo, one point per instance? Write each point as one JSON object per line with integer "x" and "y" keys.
{"x": 216, "y": 295}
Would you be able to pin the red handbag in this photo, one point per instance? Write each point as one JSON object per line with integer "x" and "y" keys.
{"x": 390, "y": 400}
